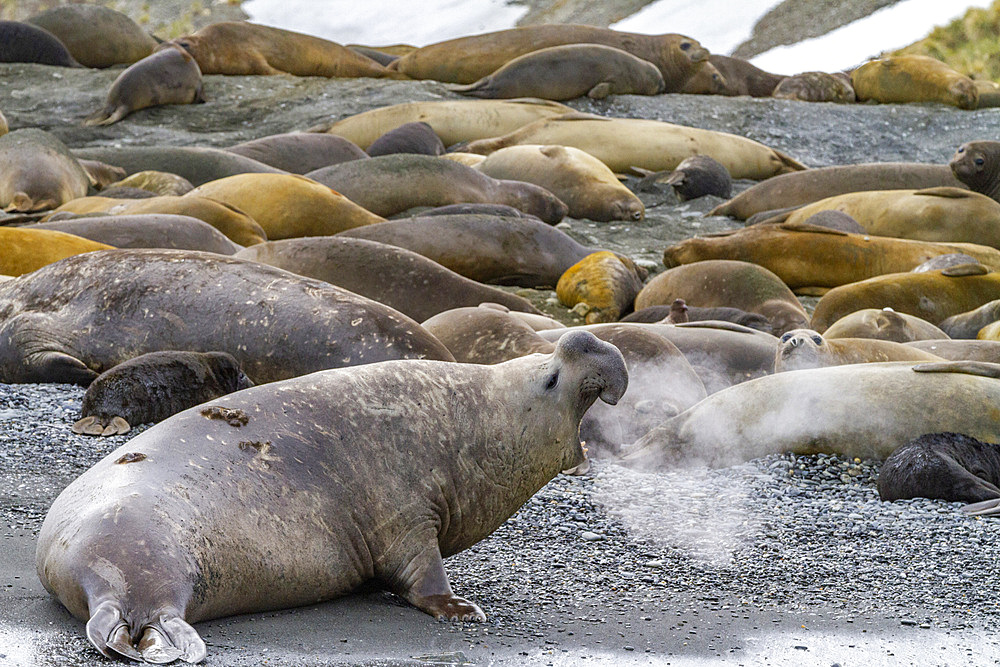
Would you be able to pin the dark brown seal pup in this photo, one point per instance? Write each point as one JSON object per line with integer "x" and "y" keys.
{"x": 977, "y": 165}
{"x": 299, "y": 152}
{"x": 169, "y": 76}
{"x": 154, "y": 386}
{"x": 695, "y": 177}
{"x": 948, "y": 466}
{"x": 743, "y": 78}
{"x": 417, "y": 137}
{"x": 425, "y": 460}
{"x": 25, "y": 43}
{"x": 118, "y": 304}
{"x": 96, "y": 36}
{"x": 569, "y": 71}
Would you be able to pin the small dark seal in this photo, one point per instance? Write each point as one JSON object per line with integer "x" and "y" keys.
{"x": 416, "y": 137}
{"x": 154, "y": 386}
{"x": 26, "y": 43}
{"x": 695, "y": 177}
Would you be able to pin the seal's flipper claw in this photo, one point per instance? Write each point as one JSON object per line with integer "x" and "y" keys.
{"x": 984, "y": 508}
{"x": 109, "y": 633}
{"x": 452, "y": 608}
{"x": 426, "y": 587}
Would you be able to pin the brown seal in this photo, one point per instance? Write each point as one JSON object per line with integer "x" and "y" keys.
{"x": 197, "y": 165}
{"x": 25, "y": 250}
{"x": 26, "y": 43}
{"x": 237, "y": 47}
{"x": 169, "y": 76}
{"x": 569, "y": 71}
{"x": 388, "y": 501}
{"x": 949, "y": 466}
{"x": 805, "y": 348}
{"x": 694, "y": 177}
{"x": 913, "y": 78}
{"x": 149, "y": 230}
{"x": 412, "y": 284}
{"x": 603, "y": 283}
{"x": 961, "y": 350}
{"x": 38, "y": 172}
{"x": 977, "y": 165}
{"x": 884, "y": 324}
{"x": 743, "y": 78}
{"x": 154, "y": 386}
{"x": 467, "y": 59}
{"x": 377, "y": 185}
{"x": 161, "y": 183}
{"x": 417, "y": 137}
{"x": 706, "y": 80}
{"x": 96, "y": 36}
{"x": 816, "y": 87}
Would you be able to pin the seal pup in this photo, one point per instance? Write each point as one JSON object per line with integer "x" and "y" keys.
{"x": 694, "y": 177}
{"x": 967, "y": 325}
{"x": 569, "y": 71}
{"x": 299, "y": 152}
{"x": 169, "y": 76}
{"x": 118, "y": 304}
{"x": 96, "y": 36}
{"x": 26, "y": 43}
{"x": 913, "y": 78}
{"x": 816, "y": 87}
{"x": 417, "y": 137}
{"x": 154, "y": 386}
{"x": 805, "y": 348}
{"x": 883, "y": 324}
{"x": 861, "y": 410}
{"x": 977, "y": 165}
{"x": 459, "y": 449}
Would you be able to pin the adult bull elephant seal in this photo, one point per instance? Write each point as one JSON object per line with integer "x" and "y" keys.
{"x": 154, "y": 386}
{"x": 567, "y": 72}
{"x": 240, "y": 48}
{"x": 861, "y": 410}
{"x": 949, "y": 466}
{"x": 458, "y": 449}
{"x": 805, "y": 348}
{"x": 299, "y": 152}
{"x": 96, "y": 36}
{"x": 118, "y": 304}
{"x": 169, "y": 76}
{"x": 913, "y": 78}
{"x": 467, "y": 59}
{"x": 26, "y": 43}
{"x": 977, "y": 165}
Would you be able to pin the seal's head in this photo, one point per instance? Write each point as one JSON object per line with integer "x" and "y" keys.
{"x": 586, "y": 368}
{"x": 799, "y": 348}
{"x": 975, "y": 164}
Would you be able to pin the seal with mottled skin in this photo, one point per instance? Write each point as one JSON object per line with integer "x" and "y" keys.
{"x": 968, "y": 324}
{"x": 947, "y": 260}
{"x": 197, "y": 165}
{"x": 603, "y": 283}
{"x": 569, "y": 71}
{"x": 299, "y": 152}
{"x": 491, "y": 249}
{"x": 735, "y": 284}
{"x": 816, "y": 87}
{"x": 453, "y": 120}
{"x": 812, "y": 259}
{"x": 623, "y": 143}
{"x": 26, "y": 43}
{"x": 154, "y": 386}
{"x": 161, "y": 183}
{"x": 977, "y": 165}
{"x": 38, "y": 172}
{"x": 239, "y": 48}
{"x": 913, "y": 78}
{"x": 417, "y": 137}
{"x": 949, "y": 466}
{"x": 169, "y": 76}
{"x": 806, "y": 187}
{"x": 861, "y": 410}
{"x": 288, "y": 205}
{"x": 412, "y": 284}
{"x": 118, "y": 304}
{"x": 148, "y": 230}
{"x": 25, "y": 250}
{"x": 883, "y": 324}
{"x": 467, "y": 59}
{"x": 805, "y": 348}
{"x": 578, "y": 179}
{"x": 377, "y": 185}
{"x": 458, "y": 448}
{"x": 96, "y": 36}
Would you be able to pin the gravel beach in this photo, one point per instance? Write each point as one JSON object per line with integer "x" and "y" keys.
{"x": 781, "y": 561}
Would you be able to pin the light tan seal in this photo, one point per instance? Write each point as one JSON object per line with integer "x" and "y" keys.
{"x": 567, "y": 72}
{"x": 884, "y": 324}
{"x": 169, "y": 76}
{"x": 622, "y": 143}
{"x": 161, "y": 183}
{"x": 913, "y": 78}
{"x": 25, "y": 250}
{"x": 581, "y": 181}
{"x": 467, "y": 59}
{"x": 805, "y": 348}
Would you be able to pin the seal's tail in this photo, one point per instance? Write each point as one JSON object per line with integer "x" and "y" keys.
{"x": 162, "y": 640}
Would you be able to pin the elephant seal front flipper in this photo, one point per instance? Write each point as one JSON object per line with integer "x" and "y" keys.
{"x": 982, "y": 368}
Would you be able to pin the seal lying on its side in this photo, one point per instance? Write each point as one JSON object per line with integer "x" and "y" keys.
{"x": 805, "y": 348}
{"x": 457, "y": 449}
{"x": 154, "y": 386}
{"x": 865, "y": 410}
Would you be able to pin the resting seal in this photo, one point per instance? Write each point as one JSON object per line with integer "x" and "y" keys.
{"x": 884, "y": 324}
{"x": 805, "y": 348}
{"x": 25, "y": 250}
{"x": 569, "y": 71}
{"x": 118, "y": 304}
{"x": 197, "y": 165}
{"x": 862, "y": 410}
{"x": 299, "y": 152}
{"x": 604, "y": 282}
{"x": 913, "y": 78}
{"x": 816, "y": 87}
{"x": 154, "y": 386}
{"x": 741, "y": 77}
{"x": 160, "y": 183}
{"x": 458, "y": 449}
{"x": 149, "y": 230}
{"x": 977, "y": 165}
{"x": 967, "y": 325}
{"x": 961, "y": 350}
{"x": 417, "y": 137}
{"x": 26, "y": 43}
{"x": 169, "y": 76}
{"x": 695, "y": 177}
{"x": 96, "y": 36}
{"x": 38, "y": 172}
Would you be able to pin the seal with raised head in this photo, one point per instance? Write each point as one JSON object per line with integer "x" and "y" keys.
{"x": 569, "y": 71}
{"x": 96, "y": 36}
{"x": 816, "y": 87}
{"x": 378, "y": 186}
{"x": 458, "y": 449}
{"x": 883, "y": 324}
{"x": 977, "y": 165}
{"x": 148, "y": 230}
{"x": 467, "y": 59}
{"x": 299, "y": 152}
{"x": 169, "y": 76}
{"x": 578, "y": 179}
{"x": 417, "y": 137}
{"x": 238, "y": 47}
{"x": 913, "y": 78}
{"x": 154, "y": 386}
{"x": 118, "y": 304}
{"x": 860, "y": 410}
{"x": 411, "y": 283}
{"x": 805, "y": 348}
{"x": 26, "y": 43}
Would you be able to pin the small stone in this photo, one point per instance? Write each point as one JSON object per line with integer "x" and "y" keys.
{"x": 590, "y": 537}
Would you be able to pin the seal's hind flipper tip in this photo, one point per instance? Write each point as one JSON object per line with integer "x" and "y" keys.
{"x": 984, "y": 508}
{"x": 80, "y": 426}
{"x": 115, "y": 426}
{"x": 109, "y": 633}
{"x": 180, "y": 636}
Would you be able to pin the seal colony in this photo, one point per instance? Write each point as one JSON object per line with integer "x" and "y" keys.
{"x": 457, "y": 448}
